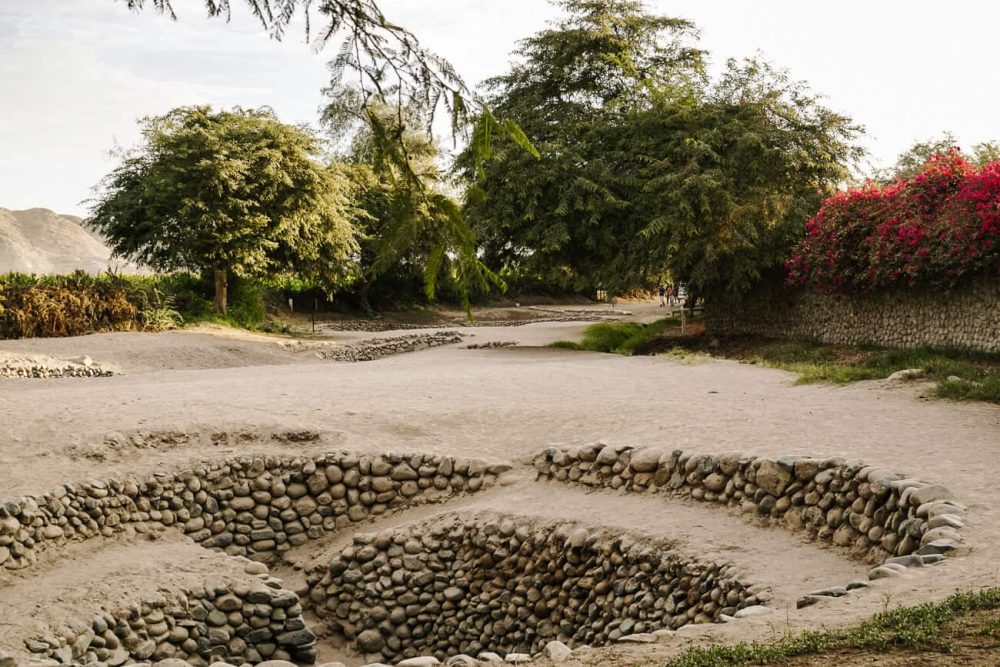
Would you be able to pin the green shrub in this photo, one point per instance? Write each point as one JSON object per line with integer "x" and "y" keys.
{"x": 246, "y": 304}
{"x": 72, "y": 305}
{"x": 618, "y": 337}
{"x": 608, "y": 336}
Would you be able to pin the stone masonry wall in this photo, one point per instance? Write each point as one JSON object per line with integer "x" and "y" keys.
{"x": 875, "y": 513}
{"x": 253, "y": 507}
{"x": 967, "y": 317}
{"x": 464, "y": 585}
{"x": 237, "y": 623}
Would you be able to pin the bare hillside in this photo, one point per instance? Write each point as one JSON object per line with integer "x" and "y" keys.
{"x": 38, "y": 240}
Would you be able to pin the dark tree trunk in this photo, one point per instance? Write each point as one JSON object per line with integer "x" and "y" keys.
{"x": 221, "y": 289}
{"x": 363, "y": 297}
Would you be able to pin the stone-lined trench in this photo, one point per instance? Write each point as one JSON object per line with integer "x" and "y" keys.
{"x": 454, "y": 584}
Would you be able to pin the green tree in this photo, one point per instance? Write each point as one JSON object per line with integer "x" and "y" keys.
{"x": 566, "y": 217}
{"x": 387, "y": 62}
{"x": 647, "y": 166}
{"x": 911, "y": 161}
{"x": 729, "y": 180}
{"x": 227, "y": 193}
{"x": 413, "y": 230}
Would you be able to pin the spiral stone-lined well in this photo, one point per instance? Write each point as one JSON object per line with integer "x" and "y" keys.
{"x": 504, "y": 584}
{"x": 484, "y": 581}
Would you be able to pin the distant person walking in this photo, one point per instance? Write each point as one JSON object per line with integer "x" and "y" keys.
{"x": 663, "y": 295}
{"x": 670, "y": 295}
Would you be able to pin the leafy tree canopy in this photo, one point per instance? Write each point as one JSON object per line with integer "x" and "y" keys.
{"x": 729, "y": 180}
{"x": 388, "y": 64}
{"x": 228, "y": 193}
{"x": 647, "y": 166}
{"x": 564, "y": 218}
{"x": 414, "y": 229}
{"x": 911, "y": 161}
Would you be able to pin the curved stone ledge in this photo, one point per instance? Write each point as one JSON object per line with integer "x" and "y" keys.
{"x": 376, "y": 348}
{"x": 237, "y": 622}
{"x": 254, "y": 507}
{"x": 507, "y": 584}
{"x": 876, "y": 514}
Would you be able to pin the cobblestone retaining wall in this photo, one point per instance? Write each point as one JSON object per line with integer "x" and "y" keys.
{"x": 238, "y": 623}
{"x": 875, "y": 513}
{"x": 254, "y": 507}
{"x": 967, "y": 317}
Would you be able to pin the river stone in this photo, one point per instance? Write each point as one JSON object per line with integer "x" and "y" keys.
{"x": 943, "y": 533}
{"x": 404, "y": 472}
{"x": 117, "y": 657}
{"x": 303, "y": 637}
{"x": 9, "y": 525}
{"x": 556, "y": 651}
{"x": 715, "y": 482}
{"x": 929, "y": 493}
{"x": 645, "y": 460}
{"x": 370, "y": 641}
{"x": 171, "y": 662}
{"x": 517, "y": 658}
{"x": 490, "y": 656}
{"x": 772, "y": 478}
{"x": 419, "y": 661}
{"x": 754, "y": 610}
{"x": 578, "y": 538}
{"x": 144, "y": 649}
{"x": 254, "y": 567}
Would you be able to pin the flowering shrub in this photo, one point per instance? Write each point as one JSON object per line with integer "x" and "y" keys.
{"x": 935, "y": 228}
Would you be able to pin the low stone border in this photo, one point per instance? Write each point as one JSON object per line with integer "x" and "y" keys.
{"x": 235, "y": 622}
{"x": 377, "y": 326}
{"x": 41, "y": 367}
{"x": 876, "y": 514}
{"x": 491, "y": 345}
{"x": 255, "y": 507}
{"x": 510, "y": 585}
{"x": 377, "y": 348}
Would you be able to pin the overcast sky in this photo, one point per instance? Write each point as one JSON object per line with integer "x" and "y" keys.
{"x": 75, "y": 75}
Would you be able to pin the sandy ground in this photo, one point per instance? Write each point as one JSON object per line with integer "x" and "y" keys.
{"x": 186, "y": 396}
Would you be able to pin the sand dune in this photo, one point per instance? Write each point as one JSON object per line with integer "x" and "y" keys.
{"x": 38, "y": 240}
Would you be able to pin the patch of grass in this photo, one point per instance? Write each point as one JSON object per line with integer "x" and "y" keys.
{"x": 930, "y": 627}
{"x": 618, "y": 337}
{"x": 984, "y": 389}
{"x": 958, "y": 375}
{"x": 608, "y": 336}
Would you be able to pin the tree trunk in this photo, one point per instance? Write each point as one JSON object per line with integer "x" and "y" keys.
{"x": 363, "y": 297}
{"x": 221, "y": 286}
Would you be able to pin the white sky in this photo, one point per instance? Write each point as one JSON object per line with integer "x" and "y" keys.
{"x": 75, "y": 75}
